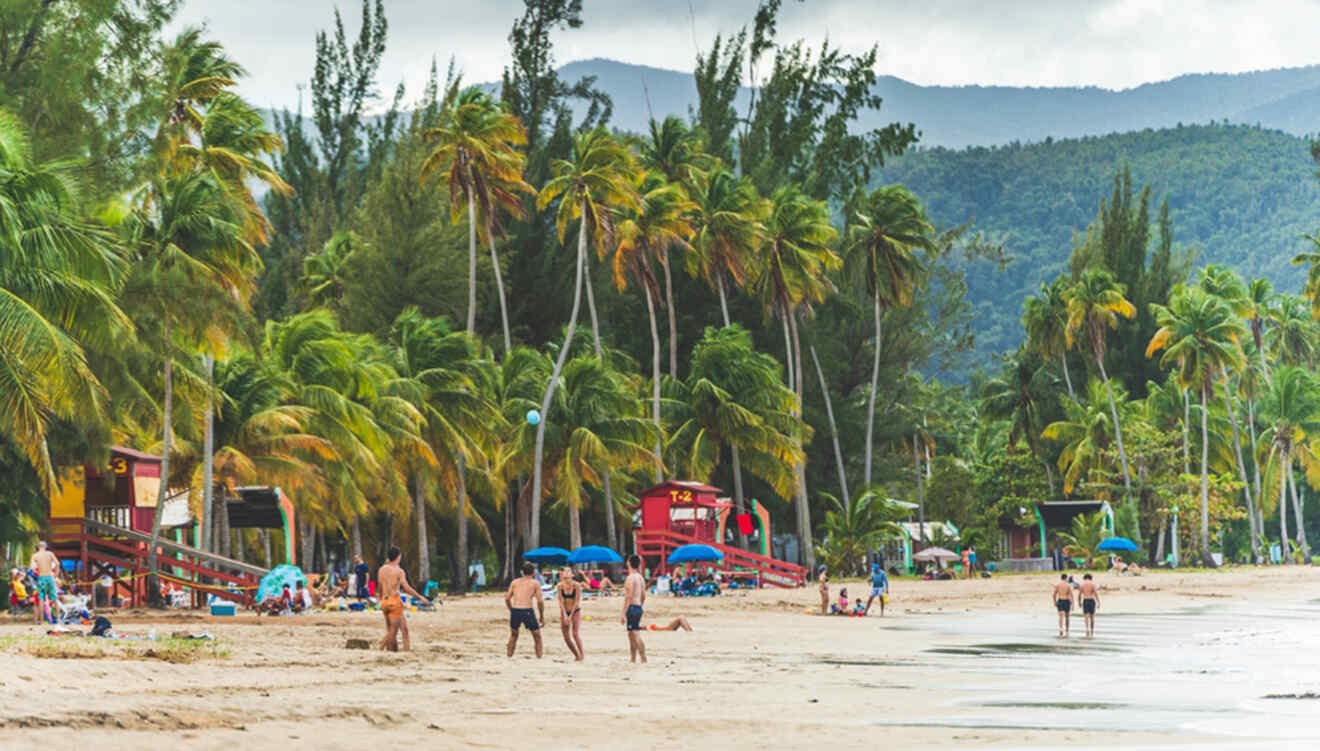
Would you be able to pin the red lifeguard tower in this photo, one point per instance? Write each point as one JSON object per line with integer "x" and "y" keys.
{"x": 680, "y": 513}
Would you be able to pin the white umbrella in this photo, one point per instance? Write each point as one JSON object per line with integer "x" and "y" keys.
{"x": 935, "y": 554}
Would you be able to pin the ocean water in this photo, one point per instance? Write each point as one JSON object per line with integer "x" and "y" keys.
{"x": 1246, "y": 674}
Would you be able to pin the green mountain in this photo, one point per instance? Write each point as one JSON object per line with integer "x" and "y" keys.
{"x": 958, "y": 116}
{"x": 1238, "y": 195}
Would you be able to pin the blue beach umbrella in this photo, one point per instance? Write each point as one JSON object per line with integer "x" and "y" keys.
{"x": 594, "y": 554}
{"x": 273, "y": 582}
{"x": 551, "y": 556}
{"x": 690, "y": 553}
{"x": 1117, "y": 545}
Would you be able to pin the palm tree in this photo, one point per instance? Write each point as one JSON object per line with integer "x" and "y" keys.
{"x": 728, "y": 231}
{"x": 590, "y": 185}
{"x": 1312, "y": 260}
{"x": 1015, "y": 395}
{"x": 1291, "y": 409}
{"x": 1292, "y": 336}
{"x": 660, "y": 224}
{"x": 1045, "y": 319}
{"x": 57, "y": 285}
{"x": 1083, "y": 538}
{"x": 1085, "y": 433}
{"x": 853, "y": 531}
{"x": 1094, "y": 304}
{"x": 325, "y": 273}
{"x": 477, "y": 146}
{"x": 889, "y": 226}
{"x": 796, "y": 260}
{"x": 734, "y": 397}
{"x": 1258, "y": 307}
{"x": 1202, "y": 338}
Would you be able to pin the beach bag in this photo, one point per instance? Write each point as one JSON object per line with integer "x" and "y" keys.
{"x": 100, "y": 626}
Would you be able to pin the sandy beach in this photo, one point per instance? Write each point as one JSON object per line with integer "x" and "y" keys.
{"x": 942, "y": 666}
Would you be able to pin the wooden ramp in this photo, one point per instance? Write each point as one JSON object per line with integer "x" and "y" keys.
{"x": 122, "y": 554}
{"x": 656, "y": 545}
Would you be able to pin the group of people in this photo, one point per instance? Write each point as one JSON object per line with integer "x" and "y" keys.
{"x": 526, "y": 607}
{"x": 43, "y": 570}
{"x": 878, "y": 580}
{"x": 1087, "y": 594}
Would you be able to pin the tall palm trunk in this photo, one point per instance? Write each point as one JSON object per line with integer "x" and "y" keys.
{"x": 724, "y": 303}
{"x": 591, "y": 305}
{"x": 499, "y": 289}
{"x": 356, "y": 536}
{"x": 1257, "y": 521}
{"x": 870, "y": 399}
{"x": 461, "y": 544}
{"x": 673, "y": 315}
{"x": 472, "y": 265}
{"x": 1187, "y": 416}
{"x": 265, "y": 546}
{"x": 1242, "y": 467}
{"x": 611, "y": 529}
{"x": 834, "y": 430}
{"x": 307, "y": 545}
{"x": 162, "y": 493}
{"x": 534, "y": 540}
{"x": 1205, "y": 482}
{"x": 423, "y": 544}
{"x": 1299, "y": 520}
{"x": 921, "y": 488}
{"x": 208, "y": 457}
{"x": 1285, "y": 557}
{"x": 575, "y": 523}
{"x": 788, "y": 355}
{"x": 1067, "y": 379}
{"x": 739, "y": 501}
{"x": 804, "y": 507}
{"x": 1118, "y": 429}
{"x": 655, "y": 385}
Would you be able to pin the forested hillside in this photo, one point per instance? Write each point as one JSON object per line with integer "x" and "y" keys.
{"x": 1238, "y": 195}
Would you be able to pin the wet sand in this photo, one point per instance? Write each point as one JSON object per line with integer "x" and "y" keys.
{"x": 1178, "y": 659}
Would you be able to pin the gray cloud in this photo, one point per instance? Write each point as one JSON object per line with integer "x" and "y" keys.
{"x": 1109, "y": 43}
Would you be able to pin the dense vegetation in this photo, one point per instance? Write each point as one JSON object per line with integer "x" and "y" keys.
{"x": 761, "y": 306}
{"x": 1238, "y": 195}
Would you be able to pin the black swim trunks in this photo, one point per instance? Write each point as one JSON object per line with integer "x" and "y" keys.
{"x": 525, "y": 617}
{"x": 634, "y": 617}
{"x": 1064, "y": 606}
{"x": 1088, "y": 606}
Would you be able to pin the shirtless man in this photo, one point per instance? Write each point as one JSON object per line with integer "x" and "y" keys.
{"x": 634, "y": 596}
{"x": 523, "y": 592}
{"x": 1062, "y": 595}
{"x": 392, "y": 579}
{"x": 45, "y": 564}
{"x": 1090, "y": 595}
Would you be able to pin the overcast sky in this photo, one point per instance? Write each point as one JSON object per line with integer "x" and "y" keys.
{"x": 1109, "y": 43}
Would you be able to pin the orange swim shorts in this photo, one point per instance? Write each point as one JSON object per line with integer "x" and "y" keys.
{"x": 392, "y": 607}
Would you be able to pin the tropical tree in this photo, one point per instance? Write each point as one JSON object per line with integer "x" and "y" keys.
{"x": 1085, "y": 433}
{"x": 1084, "y": 535}
{"x": 648, "y": 233}
{"x": 853, "y": 531}
{"x": 476, "y": 146}
{"x": 325, "y": 273}
{"x": 1290, "y": 407}
{"x": 1201, "y": 338}
{"x": 590, "y": 185}
{"x": 728, "y": 231}
{"x": 1311, "y": 260}
{"x": 1094, "y": 304}
{"x": 1293, "y": 334}
{"x": 1045, "y": 318}
{"x": 1015, "y": 395}
{"x": 886, "y": 230}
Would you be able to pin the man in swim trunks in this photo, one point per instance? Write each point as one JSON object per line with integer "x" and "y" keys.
{"x": 879, "y": 588}
{"x": 634, "y": 596}
{"x": 1090, "y": 595}
{"x": 1062, "y": 595}
{"x": 45, "y": 564}
{"x": 392, "y": 579}
{"x": 523, "y": 592}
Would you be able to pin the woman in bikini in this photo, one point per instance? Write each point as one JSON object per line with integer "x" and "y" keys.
{"x": 569, "y": 594}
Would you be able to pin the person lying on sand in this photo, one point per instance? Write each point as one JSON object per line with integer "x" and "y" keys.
{"x": 674, "y": 625}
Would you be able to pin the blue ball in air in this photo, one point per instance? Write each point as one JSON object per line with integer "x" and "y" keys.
{"x": 533, "y": 417}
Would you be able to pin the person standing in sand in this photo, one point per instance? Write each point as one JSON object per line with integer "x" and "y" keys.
{"x": 634, "y": 596}
{"x": 1090, "y": 596}
{"x": 45, "y": 564}
{"x": 569, "y": 595}
{"x": 879, "y": 589}
{"x": 392, "y": 580}
{"x": 822, "y": 576}
{"x": 523, "y": 592}
{"x": 1062, "y": 595}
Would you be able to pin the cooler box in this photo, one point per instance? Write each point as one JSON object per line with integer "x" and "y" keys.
{"x": 223, "y": 607}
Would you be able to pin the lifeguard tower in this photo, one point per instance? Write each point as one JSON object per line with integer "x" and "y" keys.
{"x": 680, "y": 513}
{"x": 101, "y": 517}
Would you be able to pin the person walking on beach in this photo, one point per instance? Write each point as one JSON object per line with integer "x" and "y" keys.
{"x": 523, "y": 592}
{"x": 45, "y": 564}
{"x": 879, "y": 589}
{"x": 1090, "y": 596}
{"x": 822, "y": 576}
{"x": 393, "y": 580}
{"x": 569, "y": 594}
{"x": 634, "y": 596}
{"x": 1062, "y": 595}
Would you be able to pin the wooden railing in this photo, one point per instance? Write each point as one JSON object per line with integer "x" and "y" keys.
{"x": 772, "y": 571}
